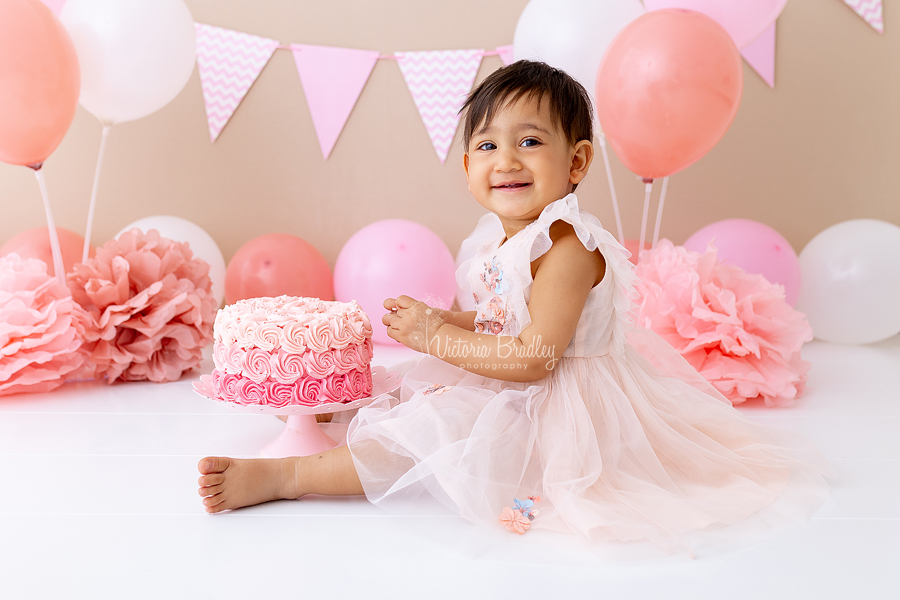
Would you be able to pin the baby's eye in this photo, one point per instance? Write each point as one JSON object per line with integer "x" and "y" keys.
{"x": 486, "y": 146}
{"x": 527, "y": 142}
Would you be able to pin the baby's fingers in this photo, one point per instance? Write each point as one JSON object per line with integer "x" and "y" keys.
{"x": 405, "y": 302}
{"x": 389, "y": 318}
{"x": 390, "y": 304}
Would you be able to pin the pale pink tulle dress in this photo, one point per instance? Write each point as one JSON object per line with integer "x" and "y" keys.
{"x": 616, "y": 450}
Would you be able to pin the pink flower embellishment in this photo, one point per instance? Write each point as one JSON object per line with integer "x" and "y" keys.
{"x": 514, "y": 521}
{"x": 436, "y": 389}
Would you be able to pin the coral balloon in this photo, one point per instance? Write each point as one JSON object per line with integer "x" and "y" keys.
{"x": 851, "y": 282}
{"x": 203, "y": 246}
{"x": 667, "y": 90}
{"x": 744, "y": 20}
{"x": 35, "y": 243}
{"x": 135, "y": 56}
{"x": 632, "y": 246}
{"x": 277, "y": 264}
{"x": 39, "y": 82}
{"x": 754, "y": 247}
{"x": 391, "y": 258}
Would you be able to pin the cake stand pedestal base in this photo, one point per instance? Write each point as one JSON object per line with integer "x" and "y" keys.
{"x": 302, "y": 436}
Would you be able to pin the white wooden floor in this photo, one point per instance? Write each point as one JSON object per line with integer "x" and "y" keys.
{"x": 98, "y": 500}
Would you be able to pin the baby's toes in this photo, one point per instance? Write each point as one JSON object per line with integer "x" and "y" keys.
{"x": 215, "y": 503}
{"x": 213, "y": 479}
{"x": 211, "y": 490}
{"x": 213, "y": 464}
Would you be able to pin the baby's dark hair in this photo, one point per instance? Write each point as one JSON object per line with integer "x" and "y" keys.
{"x": 569, "y": 102}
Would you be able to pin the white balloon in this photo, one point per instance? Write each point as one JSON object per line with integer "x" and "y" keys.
{"x": 850, "y": 282}
{"x": 135, "y": 55}
{"x": 202, "y": 245}
{"x": 572, "y": 35}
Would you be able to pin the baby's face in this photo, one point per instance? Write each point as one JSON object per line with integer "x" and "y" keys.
{"x": 520, "y": 162}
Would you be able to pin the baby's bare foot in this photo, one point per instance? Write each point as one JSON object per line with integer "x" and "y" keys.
{"x": 229, "y": 483}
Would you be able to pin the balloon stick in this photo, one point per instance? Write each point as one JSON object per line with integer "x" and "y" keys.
{"x": 659, "y": 210}
{"x": 648, "y": 187}
{"x": 51, "y": 226}
{"x": 90, "y": 219}
{"x": 612, "y": 188}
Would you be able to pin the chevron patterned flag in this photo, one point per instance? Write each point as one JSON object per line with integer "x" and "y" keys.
{"x": 229, "y": 62}
{"x": 870, "y": 11}
{"x": 506, "y": 54}
{"x": 439, "y": 82}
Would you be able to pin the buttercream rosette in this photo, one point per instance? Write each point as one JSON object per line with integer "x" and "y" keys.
{"x": 41, "y": 328}
{"x": 287, "y": 350}
{"x": 150, "y": 305}
{"x": 734, "y": 328}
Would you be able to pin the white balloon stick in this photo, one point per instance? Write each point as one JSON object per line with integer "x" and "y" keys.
{"x": 612, "y": 188}
{"x": 51, "y": 226}
{"x": 659, "y": 210}
{"x": 93, "y": 204}
{"x": 648, "y": 187}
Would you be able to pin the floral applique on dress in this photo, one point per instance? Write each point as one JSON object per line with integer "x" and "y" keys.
{"x": 437, "y": 388}
{"x": 493, "y": 279}
{"x": 494, "y": 318}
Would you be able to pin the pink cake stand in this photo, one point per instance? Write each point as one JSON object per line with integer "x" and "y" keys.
{"x": 302, "y": 435}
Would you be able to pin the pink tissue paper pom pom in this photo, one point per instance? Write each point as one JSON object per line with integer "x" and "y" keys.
{"x": 150, "y": 305}
{"x": 41, "y": 328}
{"x": 735, "y": 328}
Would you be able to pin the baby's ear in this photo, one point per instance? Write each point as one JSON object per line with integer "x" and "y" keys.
{"x": 466, "y": 164}
{"x": 581, "y": 161}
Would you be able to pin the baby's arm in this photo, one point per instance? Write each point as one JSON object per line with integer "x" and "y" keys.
{"x": 563, "y": 279}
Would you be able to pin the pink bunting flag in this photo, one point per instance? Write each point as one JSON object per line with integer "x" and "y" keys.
{"x": 870, "y": 11}
{"x": 333, "y": 79}
{"x": 760, "y": 55}
{"x": 506, "y": 54}
{"x": 229, "y": 63}
{"x": 439, "y": 82}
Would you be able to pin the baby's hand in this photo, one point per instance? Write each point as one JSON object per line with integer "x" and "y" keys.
{"x": 412, "y": 323}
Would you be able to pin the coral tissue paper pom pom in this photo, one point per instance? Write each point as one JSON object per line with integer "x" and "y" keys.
{"x": 41, "y": 328}
{"x": 735, "y": 328}
{"x": 150, "y": 305}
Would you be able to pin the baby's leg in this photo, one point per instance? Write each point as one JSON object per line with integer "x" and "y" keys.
{"x": 229, "y": 483}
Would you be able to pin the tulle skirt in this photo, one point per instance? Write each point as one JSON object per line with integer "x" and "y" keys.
{"x": 615, "y": 450}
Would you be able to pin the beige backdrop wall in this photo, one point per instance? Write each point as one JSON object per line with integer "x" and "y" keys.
{"x": 820, "y": 148}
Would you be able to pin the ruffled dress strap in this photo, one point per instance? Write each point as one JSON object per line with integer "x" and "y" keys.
{"x": 619, "y": 275}
{"x": 488, "y": 231}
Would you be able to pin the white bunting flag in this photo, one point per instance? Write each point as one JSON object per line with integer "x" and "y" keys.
{"x": 229, "y": 63}
{"x": 439, "y": 82}
{"x": 870, "y": 11}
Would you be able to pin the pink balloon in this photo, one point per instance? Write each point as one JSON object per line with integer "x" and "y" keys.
{"x": 277, "y": 264}
{"x": 39, "y": 82}
{"x": 667, "y": 90}
{"x": 744, "y": 20}
{"x": 391, "y": 258}
{"x": 754, "y": 247}
{"x": 35, "y": 243}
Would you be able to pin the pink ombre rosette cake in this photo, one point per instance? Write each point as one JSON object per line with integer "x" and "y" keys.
{"x": 289, "y": 351}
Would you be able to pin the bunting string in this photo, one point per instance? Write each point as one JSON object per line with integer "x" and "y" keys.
{"x": 333, "y": 78}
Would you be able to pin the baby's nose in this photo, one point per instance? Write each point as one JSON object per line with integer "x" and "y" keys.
{"x": 508, "y": 161}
